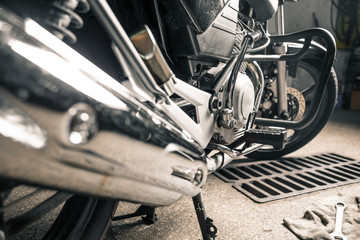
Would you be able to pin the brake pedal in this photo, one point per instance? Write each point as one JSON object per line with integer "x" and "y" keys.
{"x": 275, "y": 137}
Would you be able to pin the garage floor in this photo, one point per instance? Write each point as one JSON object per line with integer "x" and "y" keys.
{"x": 238, "y": 217}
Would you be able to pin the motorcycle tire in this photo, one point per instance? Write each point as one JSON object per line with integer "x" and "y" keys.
{"x": 94, "y": 215}
{"x": 79, "y": 217}
{"x": 301, "y": 137}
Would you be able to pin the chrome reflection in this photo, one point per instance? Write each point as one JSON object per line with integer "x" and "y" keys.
{"x": 15, "y": 124}
{"x": 75, "y": 59}
{"x": 83, "y": 123}
{"x": 55, "y": 65}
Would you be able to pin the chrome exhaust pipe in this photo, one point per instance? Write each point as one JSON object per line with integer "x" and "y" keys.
{"x": 152, "y": 177}
{"x": 67, "y": 125}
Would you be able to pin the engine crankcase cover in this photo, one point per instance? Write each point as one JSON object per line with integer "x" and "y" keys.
{"x": 243, "y": 99}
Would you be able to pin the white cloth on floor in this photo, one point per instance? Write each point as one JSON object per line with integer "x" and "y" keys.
{"x": 319, "y": 221}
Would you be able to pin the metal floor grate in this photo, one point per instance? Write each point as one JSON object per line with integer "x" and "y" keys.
{"x": 269, "y": 180}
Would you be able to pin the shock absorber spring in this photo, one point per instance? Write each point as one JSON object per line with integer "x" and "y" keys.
{"x": 55, "y": 15}
{"x": 61, "y": 14}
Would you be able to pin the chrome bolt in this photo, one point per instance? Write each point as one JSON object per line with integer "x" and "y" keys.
{"x": 216, "y": 104}
{"x": 83, "y": 124}
{"x": 198, "y": 177}
{"x": 232, "y": 123}
{"x": 191, "y": 175}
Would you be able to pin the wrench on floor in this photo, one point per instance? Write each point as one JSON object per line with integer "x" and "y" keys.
{"x": 336, "y": 233}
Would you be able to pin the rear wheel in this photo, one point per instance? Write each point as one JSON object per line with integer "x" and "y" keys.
{"x": 307, "y": 73}
{"x": 30, "y": 213}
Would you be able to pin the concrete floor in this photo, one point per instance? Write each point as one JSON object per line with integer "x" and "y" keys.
{"x": 238, "y": 217}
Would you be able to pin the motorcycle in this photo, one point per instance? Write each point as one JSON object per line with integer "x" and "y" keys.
{"x": 143, "y": 100}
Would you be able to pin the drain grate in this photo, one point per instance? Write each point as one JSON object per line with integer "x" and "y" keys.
{"x": 264, "y": 181}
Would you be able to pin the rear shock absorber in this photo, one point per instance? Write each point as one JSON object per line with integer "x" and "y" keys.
{"x": 54, "y": 15}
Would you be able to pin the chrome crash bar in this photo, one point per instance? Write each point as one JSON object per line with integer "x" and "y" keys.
{"x": 320, "y": 86}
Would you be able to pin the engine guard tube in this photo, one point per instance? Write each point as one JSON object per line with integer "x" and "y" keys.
{"x": 320, "y": 85}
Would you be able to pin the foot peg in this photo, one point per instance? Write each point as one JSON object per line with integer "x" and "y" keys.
{"x": 275, "y": 137}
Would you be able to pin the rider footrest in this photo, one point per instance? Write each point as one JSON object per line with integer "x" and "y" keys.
{"x": 274, "y": 137}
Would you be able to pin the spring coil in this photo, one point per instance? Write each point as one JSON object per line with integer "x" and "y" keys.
{"x": 59, "y": 15}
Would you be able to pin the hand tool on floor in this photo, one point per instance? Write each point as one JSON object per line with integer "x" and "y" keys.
{"x": 336, "y": 233}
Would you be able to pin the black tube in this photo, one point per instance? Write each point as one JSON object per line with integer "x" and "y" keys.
{"x": 223, "y": 77}
{"x": 235, "y": 71}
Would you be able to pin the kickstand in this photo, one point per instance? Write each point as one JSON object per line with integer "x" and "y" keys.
{"x": 149, "y": 212}
{"x": 208, "y": 229}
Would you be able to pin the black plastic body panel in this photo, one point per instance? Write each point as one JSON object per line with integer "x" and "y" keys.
{"x": 201, "y": 29}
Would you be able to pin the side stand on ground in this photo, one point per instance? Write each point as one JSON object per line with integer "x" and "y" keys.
{"x": 149, "y": 212}
{"x": 208, "y": 229}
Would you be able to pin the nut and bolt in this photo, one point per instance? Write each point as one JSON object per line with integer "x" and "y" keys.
{"x": 232, "y": 123}
{"x": 83, "y": 124}
{"x": 216, "y": 104}
{"x": 226, "y": 119}
{"x": 198, "y": 177}
{"x": 194, "y": 176}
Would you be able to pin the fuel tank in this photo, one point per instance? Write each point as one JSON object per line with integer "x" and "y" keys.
{"x": 264, "y": 9}
{"x": 200, "y": 33}
{"x": 201, "y": 29}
